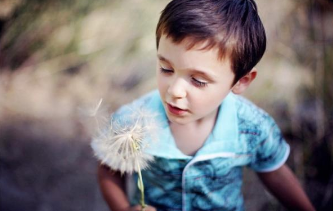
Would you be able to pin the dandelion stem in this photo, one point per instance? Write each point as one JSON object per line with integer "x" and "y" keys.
{"x": 141, "y": 188}
{"x": 136, "y": 148}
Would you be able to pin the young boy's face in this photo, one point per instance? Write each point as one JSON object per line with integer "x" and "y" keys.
{"x": 192, "y": 83}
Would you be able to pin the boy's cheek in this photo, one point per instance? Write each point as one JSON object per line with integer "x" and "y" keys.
{"x": 162, "y": 84}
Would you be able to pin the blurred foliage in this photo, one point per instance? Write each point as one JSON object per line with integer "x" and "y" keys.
{"x": 32, "y": 23}
{"x": 58, "y": 58}
{"x": 307, "y": 39}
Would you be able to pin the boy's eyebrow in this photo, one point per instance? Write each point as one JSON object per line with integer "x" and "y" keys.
{"x": 204, "y": 73}
{"x": 160, "y": 57}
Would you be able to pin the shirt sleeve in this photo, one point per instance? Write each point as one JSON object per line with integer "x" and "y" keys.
{"x": 272, "y": 152}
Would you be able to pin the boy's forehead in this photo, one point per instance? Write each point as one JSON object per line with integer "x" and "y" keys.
{"x": 196, "y": 58}
{"x": 191, "y": 44}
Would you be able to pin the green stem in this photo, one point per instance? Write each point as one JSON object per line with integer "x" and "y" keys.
{"x": 140, "y": 182}
{"x": 141, "y": 188}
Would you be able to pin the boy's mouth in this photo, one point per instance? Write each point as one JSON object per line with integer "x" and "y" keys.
{"x": 175, "y": 110}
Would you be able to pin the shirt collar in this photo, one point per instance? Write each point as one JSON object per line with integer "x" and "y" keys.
{"x": 222, "y": 139}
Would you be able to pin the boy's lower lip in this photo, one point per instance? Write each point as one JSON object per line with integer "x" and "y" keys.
{"x": 175, "y": 110}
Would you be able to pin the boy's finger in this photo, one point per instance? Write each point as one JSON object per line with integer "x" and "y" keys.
{"x": 137, "y": 208}
{"x": 150, "y": 208}
{"x": 147, "y": 208}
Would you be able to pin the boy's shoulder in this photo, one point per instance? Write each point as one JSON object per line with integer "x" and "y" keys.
{"x": 251, "y": 118}
{"x": 259, "y": 135}
{"x": 246, "y": 109}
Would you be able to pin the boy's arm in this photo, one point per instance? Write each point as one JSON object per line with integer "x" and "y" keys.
{"x": 283, "y": 184}
{"x": 112, "y": 186}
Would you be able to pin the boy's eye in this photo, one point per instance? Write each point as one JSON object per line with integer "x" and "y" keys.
{"x": 164, "y": 70}
{"x": 199, "y": 83}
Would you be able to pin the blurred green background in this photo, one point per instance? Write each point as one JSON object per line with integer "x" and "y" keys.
{"x": 58, "y": 58}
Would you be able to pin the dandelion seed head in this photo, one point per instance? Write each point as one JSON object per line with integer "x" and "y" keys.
{"x": 122, "y": 145}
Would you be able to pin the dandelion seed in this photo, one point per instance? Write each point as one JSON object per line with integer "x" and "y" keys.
{"x": 122, "y": 146}
{"x": 91, "y": 112}
{"x": 94, "y": 112}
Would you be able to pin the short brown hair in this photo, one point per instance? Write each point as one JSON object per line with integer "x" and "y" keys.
{"x": 234, "y": 26}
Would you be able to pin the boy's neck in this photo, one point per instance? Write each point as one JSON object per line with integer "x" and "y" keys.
{"x": 190, "y": 137}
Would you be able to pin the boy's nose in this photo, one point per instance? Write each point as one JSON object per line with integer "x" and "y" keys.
{"x": 177, "y": 89}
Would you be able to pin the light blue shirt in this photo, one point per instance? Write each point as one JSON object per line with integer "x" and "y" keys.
{"x": 243, "y": 135}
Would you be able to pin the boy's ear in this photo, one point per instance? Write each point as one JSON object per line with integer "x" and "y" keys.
{"x": 244, "y": 82}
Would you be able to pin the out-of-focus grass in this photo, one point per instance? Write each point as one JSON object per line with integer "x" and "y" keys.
{"x": 59, "y": 58}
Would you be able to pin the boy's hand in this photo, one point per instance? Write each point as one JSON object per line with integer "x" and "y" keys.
{"x": 139, "y": 208}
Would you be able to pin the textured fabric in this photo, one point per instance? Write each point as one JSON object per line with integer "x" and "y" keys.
{"x": 244, "y": 135}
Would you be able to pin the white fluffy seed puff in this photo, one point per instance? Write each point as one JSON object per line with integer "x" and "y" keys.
{"x": 122, "y": 146}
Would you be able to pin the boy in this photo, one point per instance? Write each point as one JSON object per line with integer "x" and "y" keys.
{"x": 206, "y": 51}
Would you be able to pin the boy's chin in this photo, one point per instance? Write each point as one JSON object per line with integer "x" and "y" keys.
{"x": 178, "y": 120}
